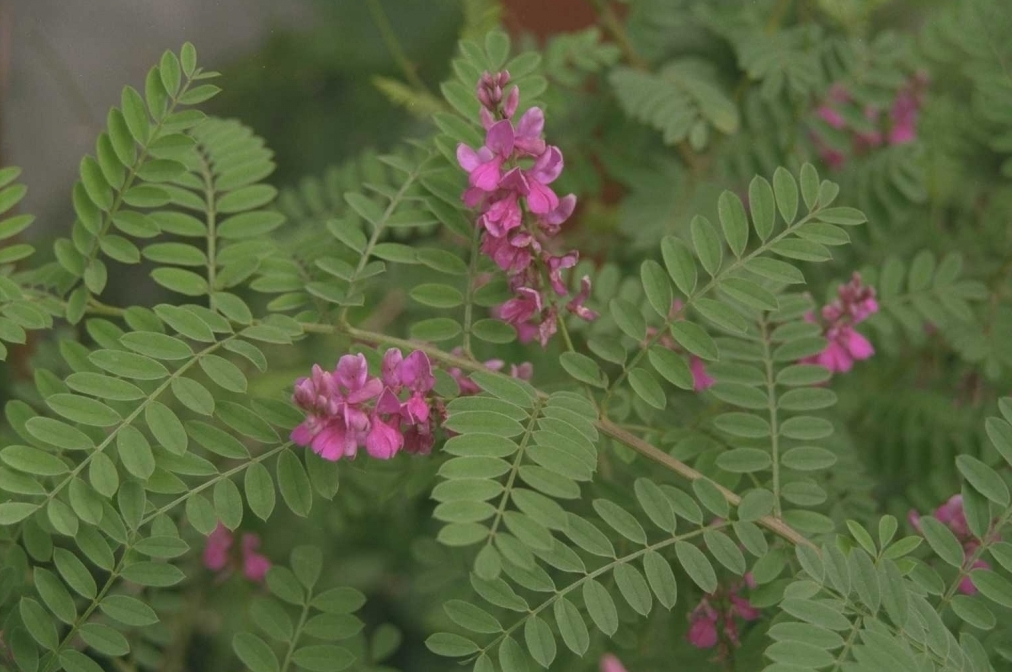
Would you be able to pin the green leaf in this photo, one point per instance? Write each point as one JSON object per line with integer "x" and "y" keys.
{"x": 707, "y": 244}
{"x": 985, "y": 480}
{"x": 647, "y": 387}
{"x": 628, "y": 318}
{"x": 471, "y": 617}
{"x": 749, "y": 294}
{"x": 572, "y": 628}
{"x": 733, "y": 221}
{"x": 696, "y": 566}
{"x": 224, "y": 373}
{"x": 816, "y": 613}
{"x": 128, "y": 610}
{"x": 620, "y": 520}
{"x": 655, "y": 504}
{"x": 255, "y": 653}
{"x": 775, "y": 270}
{"x": 722, "y": 315}
{"x": 802, "y": 250}
{"x": 511, "y": 656}
{"x": 435, "y": 329}
{"x": 725, "y": 551}
{"x": 680, "y": 263}
{"x": 450, "y": 645}
{"x": 135, "y": 114}
{"x": 745, "y": 425}
{"x": 75, "y": 573}
{"x": 55, "y": 596}
{"x": 692, "y": 337}
{"x": 762, "y": 204}
{"x": 672, "y": 366}
{"x": 634, "y": 588}
{"x": 437, "y": 295}
{"x": 973, "y": 611}
{"x": 582, "y": 368}
{"x": 32, "y": 461}
{"x": 601, "y": 606}
{"x": 162, "y": 546}
{"x": 786, "y": 192}
{"x": 744, "y": 460}
{"x": 158, "y": 574}
{"x": 656, "y": 287}
{"x": 294, "y": 484}
{"x": 182, "y": 281}
{"x": 540, "y": 641}
{"x": 259, "y": 489}
{"x": 808, "y": 458}
{"x": 128, "y": 365}
{"x": 104, "y": 639}
{"x": 166, "y": 427}
{"x": 83, "y": 410}
{"x": 809, "y": 185}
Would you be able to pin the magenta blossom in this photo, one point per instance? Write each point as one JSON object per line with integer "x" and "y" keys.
{"x": 952, "y": 515}
{"x": 855, "y": 303}
{"x": 218, "y": 555}
{"x": 898, "y": 127}
{"x": 714, "y": 621}
{"x": 610, "y": 663}
{"x": 348, "y": 409}
{"x": 509, "y": 178}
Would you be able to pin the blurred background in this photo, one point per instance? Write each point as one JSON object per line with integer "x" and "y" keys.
{"x": 300, "y": 72}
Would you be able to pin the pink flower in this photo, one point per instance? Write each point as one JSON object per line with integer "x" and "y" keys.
{"x": 254, "y": 564}
{"x": 217, "y": 548}
{"x": 502, "y": 180}
{"x": 701, "y": 380}
{"x": 703, "y": 627}
{"x": 576, "y": 306}
{"x": 952, "y": 515}
{"x": 855, "y": 303}
{"x": 555, "y": 268}
{"x": 218, "y": 554}
{"x": 526, "y": 305}
{"x": 349, "y": 408}
{"x": 610, "y": 663}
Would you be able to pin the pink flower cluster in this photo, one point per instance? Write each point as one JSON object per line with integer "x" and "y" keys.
{"x": 900, "y": 126}
{"x": 951, "y": 515}
{"x": 722, "y": 608}
{"x": 219, "y": 557}
{"x": 701, "y": 380}
{"x": 348, "y": 408}
{"x": 610, "y": 663}
{"x": 509, "y": 178}
{"x": 854, "y": 304}
{"x": 468, "y": 387}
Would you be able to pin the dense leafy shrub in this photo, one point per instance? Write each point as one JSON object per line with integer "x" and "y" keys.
{"x": 645, "y": 358}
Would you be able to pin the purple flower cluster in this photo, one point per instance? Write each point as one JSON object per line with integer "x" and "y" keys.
{"x": 854, "y": 304}
{"x": 509, "y": 178}
{"x": 900, "y": 124}
{"x": 348, "y": 408}
{"x": 952, "y": 515}
{"x": 725, "y": 608}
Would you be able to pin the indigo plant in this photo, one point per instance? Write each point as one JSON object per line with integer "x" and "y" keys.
{"x": 675, "y": 343}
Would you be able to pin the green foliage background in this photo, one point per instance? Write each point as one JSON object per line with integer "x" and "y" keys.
{"x": 316, "y": 210}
